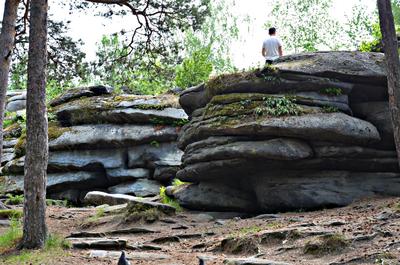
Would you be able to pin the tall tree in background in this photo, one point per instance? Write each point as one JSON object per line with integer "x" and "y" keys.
{"x": 304, "y": 25}
{"x": 35, "y": 231}
{"x": 209, "y": 50}
{"x": 7, "y": 38}
{"x": 390, "y": 47}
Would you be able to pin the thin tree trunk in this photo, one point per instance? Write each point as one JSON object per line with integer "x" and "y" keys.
{"x": 35, "y": 231}
{"x": 393, "y": 66}
{"x": 7, "y": 39}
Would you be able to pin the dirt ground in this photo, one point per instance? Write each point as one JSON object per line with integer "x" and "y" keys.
{"x": 366, "y": 232}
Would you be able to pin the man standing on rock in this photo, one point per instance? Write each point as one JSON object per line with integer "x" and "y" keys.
{"x": 272, "y": 47}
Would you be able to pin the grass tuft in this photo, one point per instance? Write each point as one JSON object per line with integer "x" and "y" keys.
{"x": 168, "y": 200}
{"x": 326, "y": 244}
{"x": 10, "y": 238}
{"x": 10, "y": 213}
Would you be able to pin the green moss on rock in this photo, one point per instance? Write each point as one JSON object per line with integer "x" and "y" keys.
{"x": 326, "y": 244}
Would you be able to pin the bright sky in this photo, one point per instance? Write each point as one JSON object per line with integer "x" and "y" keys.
{"x": 90, "y": 28}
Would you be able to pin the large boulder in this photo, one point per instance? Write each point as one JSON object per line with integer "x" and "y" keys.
{"x": 154, "y": 155}
{"x": 16, "y": 105}
{"x": 80, "y": 92}
{"x": 287, "y": 190}
{"x": 355, "y": 67}
{"x": 102, "y": 141}
{"x": 59, "y": 181}
{"x": 276, "y": 149}
{"x": 285, "y": 138}
{"x": 106, "y": 136}
{"x": 335, "y": 127}
{"x": 215, "y": 197}
{"x": 122, "y": 109}
{"x": 139, "y": 188}
{"x": 86, "y": 159}
{"x": 377, "y": 113}
{"x": 307, "y": 72}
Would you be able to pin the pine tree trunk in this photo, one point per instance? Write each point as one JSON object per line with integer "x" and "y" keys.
{"x": 393, "y": 66}
{"x": 35, "y": 231}
{"x": 7, "y": 38}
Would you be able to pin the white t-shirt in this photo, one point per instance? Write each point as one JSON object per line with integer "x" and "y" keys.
{"x": 271, "y": 46}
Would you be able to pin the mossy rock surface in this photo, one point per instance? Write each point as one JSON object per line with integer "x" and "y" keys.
{"x": 326, "y": 244}
{"x": 332, "y": 127}
{"x": 79, "y": 92}
{"x": 122, "y": 109}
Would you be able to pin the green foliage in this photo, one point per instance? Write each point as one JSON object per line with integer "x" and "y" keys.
{"x": 359, "y": 26}
{"x": 54, "y": 247}
{"x": 307, "y": 24}
{"x": 14, "y": 199}
{"x": 55, "y": 241}
{"x": 10, "y": 213}
{"x": 249, "y": 230}
{"x": 18, "y": 73}
{"x": 178, "y": 182}
{"x": 118, "y": 67}
{"x": 373, "y": 45}
{"x": 168, "y": 200}
{"x": 155, "y": 143}
{"x": 166, "y": 121}
{"x": 278, "y": 106}
{"x": 208, "y": 50}
{"x": 329, "y": 109}
{"x": 12, "y": 235}
{"x": 194, "y": 69}
{"x": 66, "y": 63}
{"x": 61, "y": 203}
{"x": 332, "y": 91}
{"x": 11, "y": 118}
{"x": 54, "y": 89}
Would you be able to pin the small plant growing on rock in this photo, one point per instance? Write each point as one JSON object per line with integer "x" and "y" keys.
{"x": 278, "y": 106}
{"x": 178, "y": 182}
{"x": 329, "y": 109}
{"x": 155, "y": 144}
{"x": 168, "y": 200}
{"x": 332, "y": 91}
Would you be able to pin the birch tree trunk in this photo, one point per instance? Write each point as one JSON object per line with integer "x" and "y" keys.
{"x": 7, "y": 39}
{"x": 35, "y": 230}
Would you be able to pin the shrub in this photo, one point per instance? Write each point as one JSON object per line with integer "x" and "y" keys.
{"x": 14, "y": 199}
{"x": 194, "y": 69}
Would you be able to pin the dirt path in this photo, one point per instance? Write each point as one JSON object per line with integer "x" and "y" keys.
{"x": 366, "y": 232}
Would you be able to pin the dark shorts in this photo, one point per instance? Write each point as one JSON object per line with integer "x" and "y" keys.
{"x": 268, "y": 62}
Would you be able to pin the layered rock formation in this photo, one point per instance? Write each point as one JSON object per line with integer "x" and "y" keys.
{"x": 121, "y": 144}
{"x": 311, "y": 131}
{"x": 16, "y": 100}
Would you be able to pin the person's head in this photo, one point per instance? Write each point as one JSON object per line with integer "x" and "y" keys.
{"x": 272, "y": 31}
